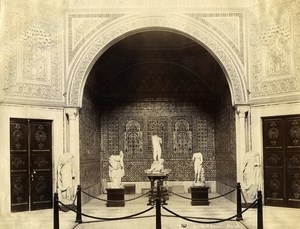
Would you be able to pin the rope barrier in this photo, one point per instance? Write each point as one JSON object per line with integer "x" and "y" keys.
{"x": 73, "y": 204}
{"x": 243, "y": 197}
{"x": 59, "y": 205}
{"x": 101, "y": 218}
{"x": 206, "y": 222}
{"x": 212, "y": 198}
{"x": 196, "y": 221}
{"x": 116, "y": 201}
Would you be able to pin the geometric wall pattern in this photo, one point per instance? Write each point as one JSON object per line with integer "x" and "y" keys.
{"x": 225, "y": 140}
{"x": 90, "y": 139}
{"x": 185, "y": 128}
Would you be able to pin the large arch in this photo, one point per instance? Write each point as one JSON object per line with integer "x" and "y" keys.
{"x": 114, "y": 31}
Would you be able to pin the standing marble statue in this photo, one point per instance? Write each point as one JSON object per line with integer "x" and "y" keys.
{"x": 157, "y": 165}
{"x": 116, "y": 169}
{"x": 156, "y": 143}
{"x": 199, "y": 170}
{"x": 251, "y": 175}
{"x": 66, "y": 177}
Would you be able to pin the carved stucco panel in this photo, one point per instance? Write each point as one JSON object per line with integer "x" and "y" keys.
{"x": 274, "y": 55}
{"x": 33, "y": 54}
{"x": 128, "y": 24}
{"x": 82, "y": 26}
{"x": 229, "y": 26}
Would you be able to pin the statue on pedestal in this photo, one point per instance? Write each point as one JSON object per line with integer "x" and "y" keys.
{"x": 199, "y": 170}
{"x": 158, "y": 164}
{"x": 156, "y": 167}
{"x": 116, "y": 170}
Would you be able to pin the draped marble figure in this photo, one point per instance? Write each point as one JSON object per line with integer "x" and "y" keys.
{"x": 116, "y": 170}
{"x": 66, "y": 176}
{"x": 251, "y": 174}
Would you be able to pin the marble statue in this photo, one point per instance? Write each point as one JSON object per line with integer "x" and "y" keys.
{"x": 66, "y": 176}
{"x": 156, "y": 143}
{"x": 116, "y": 170}
{"x": 157, "y": 165}
{"x": 199, "y": 170}
{"x": 251, "y": 174}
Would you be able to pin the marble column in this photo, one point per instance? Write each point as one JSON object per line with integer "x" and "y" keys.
{"x": 72, "y": 139}
{"x": 241, "y": 138}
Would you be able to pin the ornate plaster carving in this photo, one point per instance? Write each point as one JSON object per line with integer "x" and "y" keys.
{"x": 120, "y": 27}
{"x": 82, "y": 26}
{"x": 274, "y": 35}
{"x": 229, "y": 26}
{"x": 33, "y": 54}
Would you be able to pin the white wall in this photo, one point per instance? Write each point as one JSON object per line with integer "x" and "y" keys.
{"x": 27, "y": 112}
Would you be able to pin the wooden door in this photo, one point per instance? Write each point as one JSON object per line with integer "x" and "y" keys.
{"x": 19, "y": 165}
{"x": 281, "y": 147}
{"x": 31, "y": 164}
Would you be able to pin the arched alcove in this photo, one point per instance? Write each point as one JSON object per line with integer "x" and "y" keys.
{"x": 157, "y": 82}
{"x": 201, "y": 32}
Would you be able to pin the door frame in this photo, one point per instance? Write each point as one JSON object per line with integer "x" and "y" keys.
{"x": 257, "y": 112}
{"x": 7, "y": 111}
{"x": 34, "y": 170}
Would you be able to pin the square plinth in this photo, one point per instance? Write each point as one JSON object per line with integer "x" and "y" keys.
{"x": 115, "y": 197}
{"x": 129, "y": 188}
{"x": 199, "y": 195}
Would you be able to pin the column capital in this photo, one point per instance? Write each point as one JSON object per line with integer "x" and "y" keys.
{"x": 241, "y": 110}
{"x": 72, "y": 112}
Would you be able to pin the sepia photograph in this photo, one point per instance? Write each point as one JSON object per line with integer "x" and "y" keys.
{"x": 150, "y": 114}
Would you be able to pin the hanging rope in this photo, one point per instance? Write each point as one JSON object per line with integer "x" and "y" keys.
{"x": 102, "y": 218}
{"x": 207, "y": 222}
{"x": 116, "y": 201}
{"x": 73, "y": 204}
{"x": 212, "y": 198}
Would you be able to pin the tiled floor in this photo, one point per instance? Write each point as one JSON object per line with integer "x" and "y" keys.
{"x": 274, "y": 218}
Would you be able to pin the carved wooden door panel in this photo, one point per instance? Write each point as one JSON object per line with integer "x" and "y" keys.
{"x": 19, "y": 165}
{"x": 282, "y": 161}
{"x": 31, "y": 164}
{"x": 41, "y": 164}
{"x": 292, "y": 161}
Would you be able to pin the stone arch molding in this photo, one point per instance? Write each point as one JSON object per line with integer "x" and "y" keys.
{"x": 112, "y": 32}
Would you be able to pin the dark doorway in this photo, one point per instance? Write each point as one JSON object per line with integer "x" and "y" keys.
{"x": 281, "y": 143}
{"x": 30, "y": 164}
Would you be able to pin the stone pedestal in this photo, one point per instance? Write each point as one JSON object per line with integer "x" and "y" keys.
{"x": 116, "y": 196}
{"x": 199, "y": 195}
{"x": 129, "y": 188}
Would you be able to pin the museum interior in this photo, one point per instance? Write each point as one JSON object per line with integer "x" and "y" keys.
{"x": 99, "y": 96}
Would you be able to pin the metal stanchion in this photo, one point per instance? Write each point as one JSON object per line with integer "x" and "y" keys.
{"x": 238, "y": 203}
{"x": 260, "y": 224}
{"x": 158, "y": 210}
{"x": 78, "y": 213}
{"x": 55, "y": 211}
